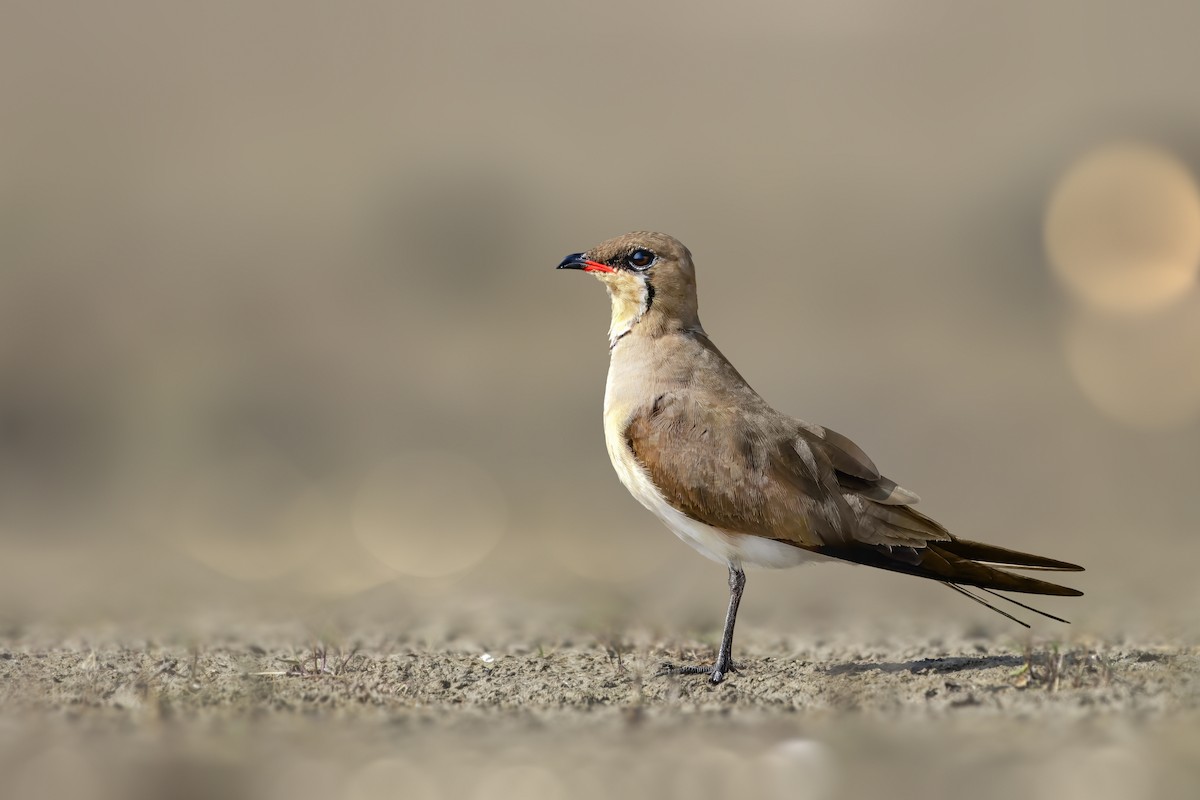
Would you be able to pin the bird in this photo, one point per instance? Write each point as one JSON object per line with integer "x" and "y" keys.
{"x": 742, "y": 483}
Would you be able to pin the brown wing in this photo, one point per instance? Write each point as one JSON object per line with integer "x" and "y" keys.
{"x": 845, "y": 456}
{"x": 881, "y": 508}
{"x": 742, "y": 471}
{"x": 891, "y": 535}
{"x": 756, "y": 473}
{"x": 855, "y": 470}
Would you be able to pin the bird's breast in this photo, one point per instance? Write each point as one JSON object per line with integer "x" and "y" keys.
{"x": 709, "y": 541}
{"x": 623, "y": 396}
{"x": 724, "y": 547}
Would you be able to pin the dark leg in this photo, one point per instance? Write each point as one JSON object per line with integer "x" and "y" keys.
{"x": 724, "y": 663}
{"x": 737, "y": 584}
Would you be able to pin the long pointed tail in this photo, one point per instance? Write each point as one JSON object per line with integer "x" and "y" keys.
{"x": 950, "y": 562}
{"x": 959, "y": 563}
{"x": 990, "y": 554}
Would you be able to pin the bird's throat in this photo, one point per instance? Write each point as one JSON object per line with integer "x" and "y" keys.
{"x": 630, "y": 302}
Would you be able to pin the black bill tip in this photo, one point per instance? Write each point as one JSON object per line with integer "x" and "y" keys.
{"x": 573, "y": 261}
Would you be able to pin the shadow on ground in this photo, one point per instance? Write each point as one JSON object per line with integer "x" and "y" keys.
{"x": 926, "y": 665}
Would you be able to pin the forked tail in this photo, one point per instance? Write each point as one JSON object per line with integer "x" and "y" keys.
{"x": 959, "y": 563}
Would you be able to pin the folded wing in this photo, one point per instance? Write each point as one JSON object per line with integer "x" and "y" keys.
{"x": 757, "y": 473}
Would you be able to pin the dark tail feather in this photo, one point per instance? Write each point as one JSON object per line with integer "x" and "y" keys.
{"x": 958, "y": 563}
{"x": 990, "y": 554}
{"x": 986, "y": 604}
{"x": 940, "y": 561}
{"x": 947, "y": 565}
{"x": 1001, "y": 611}
{"x": 1027, "y": 608}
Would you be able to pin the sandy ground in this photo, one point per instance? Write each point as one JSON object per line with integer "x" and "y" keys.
{"x": 259, "y": 713}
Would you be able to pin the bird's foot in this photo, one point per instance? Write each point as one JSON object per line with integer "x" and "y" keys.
{"x": 716, "y": 673}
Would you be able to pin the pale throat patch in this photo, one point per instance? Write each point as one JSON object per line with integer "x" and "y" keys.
{"x": 631, "y": 299}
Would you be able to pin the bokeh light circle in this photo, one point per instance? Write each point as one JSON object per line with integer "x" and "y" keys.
{"x": 391, "y": 777}
{"x": 429, "y": 514}
{"x": 520, "y": 782}
{"x": 800, "y": 769}
{"x": 592, "y": 539}
{"x": 257, "y": 518}
{"x": 714, "y": 771}
{"x": 341, "y": 568}
{"x": 1143, "y": 371}
{"x": 1123, "y": 228}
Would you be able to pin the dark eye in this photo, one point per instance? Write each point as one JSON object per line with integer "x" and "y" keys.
{"x": 640, "y": 259}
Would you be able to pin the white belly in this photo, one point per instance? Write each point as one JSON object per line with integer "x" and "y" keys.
{"x": 734, "y": 549}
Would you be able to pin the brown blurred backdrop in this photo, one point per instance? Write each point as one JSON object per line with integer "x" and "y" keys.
{"x": 280, "y": 333}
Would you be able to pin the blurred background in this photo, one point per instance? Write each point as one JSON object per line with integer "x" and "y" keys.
{"x": 281, "y": 341}
{"x": 281, "y": 337}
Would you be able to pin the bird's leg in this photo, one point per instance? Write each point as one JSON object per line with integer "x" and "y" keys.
{"x": 724, "y": 663}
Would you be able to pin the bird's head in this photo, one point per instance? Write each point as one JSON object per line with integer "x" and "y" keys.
{"x": 649, "y": 277}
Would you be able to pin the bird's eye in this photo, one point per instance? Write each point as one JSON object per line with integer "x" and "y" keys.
{"x": 640, "y": 259}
